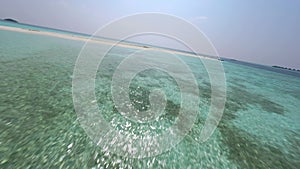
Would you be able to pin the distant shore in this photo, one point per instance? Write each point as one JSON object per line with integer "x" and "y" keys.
{"x": 286, "y": 68}
{"x": 101, "y": 41}
{"x": 10, "y": 20}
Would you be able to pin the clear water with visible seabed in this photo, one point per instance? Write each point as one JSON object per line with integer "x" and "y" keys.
{"x": 39, "y": 128}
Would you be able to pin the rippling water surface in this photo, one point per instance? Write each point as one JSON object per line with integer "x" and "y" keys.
{"x": 39, "y": 127}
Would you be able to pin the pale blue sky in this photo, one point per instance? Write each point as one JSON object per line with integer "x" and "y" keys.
{"x": 260, "y": 31}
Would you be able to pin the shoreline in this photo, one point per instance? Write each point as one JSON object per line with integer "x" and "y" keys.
{"x": 101, "y": 41}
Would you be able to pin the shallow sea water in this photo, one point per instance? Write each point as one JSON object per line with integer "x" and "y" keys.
{"x": 39, "y": 127}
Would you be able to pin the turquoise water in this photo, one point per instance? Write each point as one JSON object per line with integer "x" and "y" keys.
{"x": 39, "y": 127}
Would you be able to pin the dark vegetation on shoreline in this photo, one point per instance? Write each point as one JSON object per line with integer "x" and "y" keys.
{"x": 11, "y": 20}
{"x": 279, "y": 67}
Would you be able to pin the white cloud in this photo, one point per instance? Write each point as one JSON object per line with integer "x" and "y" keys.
{"x": 200, "y": 18}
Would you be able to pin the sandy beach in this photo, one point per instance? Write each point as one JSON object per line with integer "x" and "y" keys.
{"x": 101, "y": 41}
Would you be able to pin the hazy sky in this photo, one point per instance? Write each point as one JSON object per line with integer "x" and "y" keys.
{"x": 260, "y": 31}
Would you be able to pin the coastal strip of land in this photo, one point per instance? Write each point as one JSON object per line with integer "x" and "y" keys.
{"x": 101, "y": 41}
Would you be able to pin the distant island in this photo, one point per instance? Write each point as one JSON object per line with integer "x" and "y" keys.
{"x": 280, "y": 67}
{"x": 11, "y": 20}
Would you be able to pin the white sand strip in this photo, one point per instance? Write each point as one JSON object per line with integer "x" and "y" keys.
{"x": 85, "y": 39}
